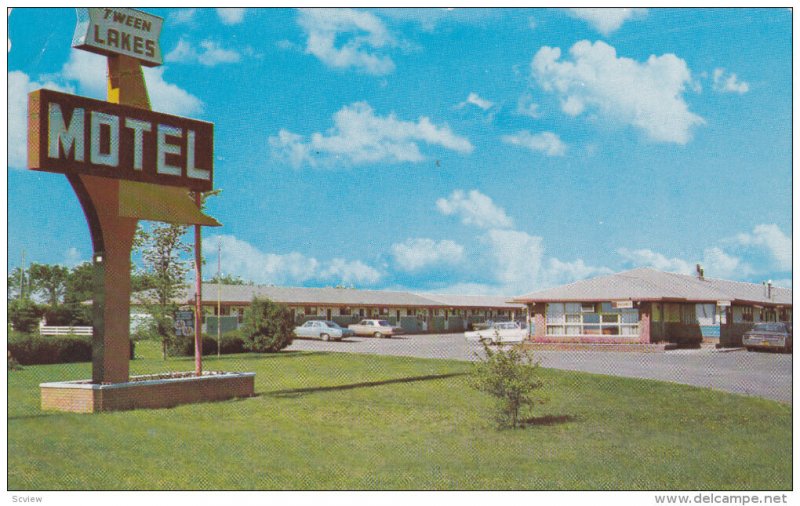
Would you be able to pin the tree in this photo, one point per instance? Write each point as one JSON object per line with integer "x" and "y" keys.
{"x": 228, "y": 279}
{"x": 511, "y": 376}
{"x": 164, "y": 271}
{"x": 18, "y": 284}
{"x": 50, "y": 281}
{"x": 80, "y": 284}
{"x": 24, "y": 315}
{"x": 268, "y": 326}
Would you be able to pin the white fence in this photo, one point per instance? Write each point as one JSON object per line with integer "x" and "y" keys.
{"x": 64, "y": 331}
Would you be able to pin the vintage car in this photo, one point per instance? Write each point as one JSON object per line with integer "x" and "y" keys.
{"x": 770, "y": 336}
{"x": 499, "y": 332}
{"x": 322, "y": 329}
{"x": 375, "y": 328}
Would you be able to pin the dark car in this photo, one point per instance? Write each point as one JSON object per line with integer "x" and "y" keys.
{"x": 771, "y": 336}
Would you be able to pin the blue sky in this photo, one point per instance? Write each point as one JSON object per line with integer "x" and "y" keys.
{"x": 463, "y": 150}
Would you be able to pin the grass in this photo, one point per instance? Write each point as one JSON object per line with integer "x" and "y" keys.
{"x": 342, "y": 421}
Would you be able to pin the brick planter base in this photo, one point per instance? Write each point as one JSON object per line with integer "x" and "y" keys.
{"x": 146, "y": 392}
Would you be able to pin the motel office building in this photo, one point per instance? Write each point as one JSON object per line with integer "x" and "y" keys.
{"x": 649, "y": 306}
{"x": 415, "y": 313}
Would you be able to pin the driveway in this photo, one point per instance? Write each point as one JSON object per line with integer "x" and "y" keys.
{"x": 766, "y": 375}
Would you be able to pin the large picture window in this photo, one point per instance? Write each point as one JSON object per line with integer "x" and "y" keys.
{"x": 576, "y": 319}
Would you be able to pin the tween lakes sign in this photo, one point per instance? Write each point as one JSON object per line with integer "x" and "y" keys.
{"x": 117, "y": 30}
{"x": 76, "y": 135}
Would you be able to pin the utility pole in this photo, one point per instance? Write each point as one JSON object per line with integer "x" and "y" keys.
{"x": 219, "y": 299}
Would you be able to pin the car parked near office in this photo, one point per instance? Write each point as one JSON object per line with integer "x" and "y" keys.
{"x": 769, "y": 336}
{"x": 499, "y": 332}
{"x": 375, "y": 328}
{"x": 322, "y": 329}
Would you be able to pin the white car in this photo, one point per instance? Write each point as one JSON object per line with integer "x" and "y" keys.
{"x": 499, "y": 332}
{"x": 322, "y": 329}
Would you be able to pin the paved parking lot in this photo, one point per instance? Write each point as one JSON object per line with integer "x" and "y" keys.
{"x": 766, "y": 375}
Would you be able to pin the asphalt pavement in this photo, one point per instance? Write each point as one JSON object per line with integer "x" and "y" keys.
{"x": 767, "y": 375}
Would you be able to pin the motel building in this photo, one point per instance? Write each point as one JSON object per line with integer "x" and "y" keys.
{"x": 414, "y": 312}
{"x": 648, "y": 306}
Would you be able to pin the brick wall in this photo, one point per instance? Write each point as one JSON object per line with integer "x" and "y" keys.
{"x": 145, "y": 395}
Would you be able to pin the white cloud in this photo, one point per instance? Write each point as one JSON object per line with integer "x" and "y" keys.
{"x": 719, "y": 264}
{"x": 608, "y": 20}
{"x": 363, "y": 34}
{"x": 231, "y": 15}
{"x": 649, "y": 258}
{"x": 19, "y": 85}
{"x": 73, "y": 257}
{"x": 476, "y": 100}
{"x": 419, "y": 253}
{"x": 729, "y": 83}
{"x": 182, "y": 16}
{"x": 771, "y": 239}
{"x": 527, "y": 107}
{"x": 243, "y": 259}
{"x": 89, "y": 70}
{"x": 647, "y": 95}
{"x": 209, "y": 54}
{"x": 474, "y": 208}
{"x": 544, "y": 142}
{"x": 349, "y": 272}
{"x": 359, "y": 137}
{"x": 521, "y": 266}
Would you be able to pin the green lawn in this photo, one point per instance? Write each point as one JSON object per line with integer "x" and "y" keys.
{"x": 341, "y": 421}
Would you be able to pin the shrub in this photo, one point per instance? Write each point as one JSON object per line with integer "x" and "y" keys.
{"x": 268, "y": 326}
{"x": 35, "y": 349}
{"x": 24, "y": 315}
{"x": 183, "y": 346}
{"x": 511, "y": 376}
{"x": 68, "y": 315}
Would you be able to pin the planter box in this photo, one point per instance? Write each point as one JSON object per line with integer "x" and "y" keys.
{"x": 146, "y": 392}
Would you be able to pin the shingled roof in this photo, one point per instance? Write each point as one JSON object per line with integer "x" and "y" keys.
{"x": 243, "y": 294}
{"x": 650, "y": 284}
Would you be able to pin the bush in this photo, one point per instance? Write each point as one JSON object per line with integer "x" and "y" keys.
{"x": 183, "y": 346}
{"x": 24, "y": 315}
{"x": 69, "y": 315}
{"x": 34, "y": 349}
{"x": 268, "y": 326}
{"x": 510, "y": 375}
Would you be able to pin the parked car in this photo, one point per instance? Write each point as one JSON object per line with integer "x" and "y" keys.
{"x": 772, "y": 336}
{"x": 375, "y": 328}
{"x": 499, "y": 332}
{"x": 322, "y": 329}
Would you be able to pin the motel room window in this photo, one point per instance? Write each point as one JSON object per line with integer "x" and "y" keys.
{"x": 344, "y": 311}
{"x": 310, "y": 310}
{"x": 656, "y": 317}
{"x": 672, "y": 312}
{"x": 576, "y": 319}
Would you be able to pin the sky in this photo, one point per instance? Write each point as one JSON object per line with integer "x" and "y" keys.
{"x": 471, "y": 151}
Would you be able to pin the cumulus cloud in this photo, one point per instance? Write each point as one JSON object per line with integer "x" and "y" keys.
{"x": 545, "y": 142}
{"x": 209, "y": 53}
{"x": 245, "y": 260}
{"x": 647, "y": 95}
{"x": 476, "y": 100}
{"x": 649, "y": 258}
{"x": 363, "y": 34}
{"x": 608, "y": 20}
{"x": 527, "y": 107}
{"x": 772, "y": 239}
{"x": 359, "y": 136}
{"x": 89, "y": 70}
{"x": 420, "y": 253}
{"x": 181, "y": 16}
{"x": 19, "y": 85}
{"x": 231, "y": 15}
{"x": 474, "y": 208}
{"x": 728, "y": 83}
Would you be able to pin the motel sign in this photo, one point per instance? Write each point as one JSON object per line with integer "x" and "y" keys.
{"x": 110, "y": 31}
{"x": 77, "y": 135}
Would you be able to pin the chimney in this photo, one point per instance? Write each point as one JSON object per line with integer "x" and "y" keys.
{"x": 699, "y": 272}
{"x": 769, "y": 289}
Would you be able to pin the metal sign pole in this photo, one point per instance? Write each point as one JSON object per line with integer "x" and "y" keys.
{"x": 198, "y": 274}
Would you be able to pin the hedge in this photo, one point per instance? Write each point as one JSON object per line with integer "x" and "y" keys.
{"x": 183, "y": 346}
{"x": 32, "y": 349}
